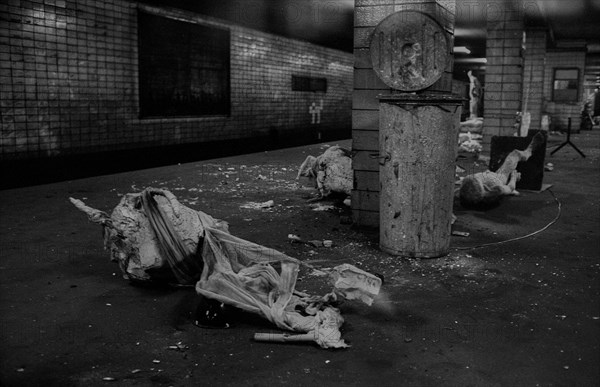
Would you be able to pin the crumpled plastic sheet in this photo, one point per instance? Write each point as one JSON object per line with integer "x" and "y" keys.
{"x": 234, "y": 271}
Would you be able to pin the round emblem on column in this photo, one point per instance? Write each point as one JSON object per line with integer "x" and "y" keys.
{"x": 409, "y": 50}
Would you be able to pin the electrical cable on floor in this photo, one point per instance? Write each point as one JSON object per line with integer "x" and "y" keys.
{"x": 559, "y": 212}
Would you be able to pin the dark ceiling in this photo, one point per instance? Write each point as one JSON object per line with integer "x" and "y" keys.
{"x": 330, "y": 22}
{"x": 326, "y": 23}
{"x": 575, "y": 21}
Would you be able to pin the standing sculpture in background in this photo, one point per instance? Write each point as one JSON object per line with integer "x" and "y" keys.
{"x": 474, "y": 95}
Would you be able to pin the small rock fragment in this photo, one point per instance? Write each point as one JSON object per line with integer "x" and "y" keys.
{"x": 316, "y": 243}
{"x": 294, "y": 238}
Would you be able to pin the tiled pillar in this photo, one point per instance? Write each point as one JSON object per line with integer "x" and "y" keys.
{"x": 533, "y": 70}
{"x": 367, "y": 86}
{"x": 504, "y": 72}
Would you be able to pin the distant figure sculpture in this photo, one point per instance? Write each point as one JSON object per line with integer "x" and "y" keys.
{"x": 485, "y": 189}
{"x": 474, "y": 95}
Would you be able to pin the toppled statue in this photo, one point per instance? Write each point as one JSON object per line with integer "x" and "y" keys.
{"x": 486, "y": 189}
{"x": 331, "y": 171}
{"x": 154, "y": 238}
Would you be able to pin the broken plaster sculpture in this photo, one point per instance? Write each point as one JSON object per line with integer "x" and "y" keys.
{"x": 154, "y": 237}
{"x": 469, "y": 142}
{"x": 331, "y": 171}
{"x": 483, "y": 190}
{"x": 474, "y": 125}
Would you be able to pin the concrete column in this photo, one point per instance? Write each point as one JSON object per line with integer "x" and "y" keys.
{"x": 504, "y": 71}
{"x": 367, "y": 86}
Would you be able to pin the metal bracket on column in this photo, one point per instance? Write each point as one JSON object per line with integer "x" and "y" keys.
{"x": 382, "y": 160}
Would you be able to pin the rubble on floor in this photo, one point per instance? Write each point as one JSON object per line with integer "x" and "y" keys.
{"x": 470, "y": 143}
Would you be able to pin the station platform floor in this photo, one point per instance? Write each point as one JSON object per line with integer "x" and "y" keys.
{"x": 518, "y": 313}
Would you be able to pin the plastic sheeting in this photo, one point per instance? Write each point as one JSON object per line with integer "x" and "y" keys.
{"x": 234, "y": 271}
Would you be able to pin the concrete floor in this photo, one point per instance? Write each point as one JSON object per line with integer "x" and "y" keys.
{"x": 523, "y": 313}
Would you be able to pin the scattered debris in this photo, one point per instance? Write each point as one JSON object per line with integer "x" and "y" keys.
{"x": 315, "y": 243}
{"x": 355, "y": 284}
{"x": 178, "y": 347}
{"x": 461, "y": 234}
{"x": 295, "y": 238}
{"x": 258, "y": 206}
{"x": 323, "y": 207}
